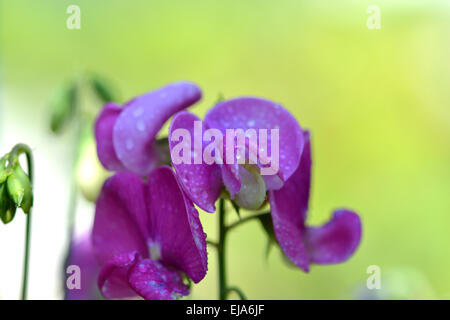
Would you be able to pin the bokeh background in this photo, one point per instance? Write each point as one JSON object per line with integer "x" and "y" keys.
{"x": 377, "y": 103}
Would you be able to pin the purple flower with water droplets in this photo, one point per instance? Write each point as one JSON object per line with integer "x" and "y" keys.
{"x": 147, "y": 236}
{"x": 203, "y": 182}
{"x": 126, "y": 136}
{"x": 287, "y": 189}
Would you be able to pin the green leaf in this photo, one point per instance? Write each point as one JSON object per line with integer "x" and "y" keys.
{"x": 103, "y": 89}
{"x": 63, "y": 107}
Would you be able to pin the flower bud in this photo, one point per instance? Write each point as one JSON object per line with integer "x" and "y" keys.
{"x": 19, "y": 189}
{"x": 4, "y": 172}
{"x": 7, "y": 207}
{"x": 63, "y": 107}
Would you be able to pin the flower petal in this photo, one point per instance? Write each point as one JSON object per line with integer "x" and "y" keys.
{"x": 142, "y": 118}
{"x": 121, "y": 219}
{"x": 113, "y": 279}
{"x": 104, "y": 136}
{"x": 289, "y": 206}
{"x": 175, "y": 225}
{"x": 335, "y": 241}
{"x": 202, "y": 182}
{"x": 257, "y": 113}
{"x": 153, "y": 281}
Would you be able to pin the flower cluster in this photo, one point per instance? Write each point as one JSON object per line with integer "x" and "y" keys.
{"x": 147, "y": 235}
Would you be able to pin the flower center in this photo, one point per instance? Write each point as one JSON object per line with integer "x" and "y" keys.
{"x": 154, "y": 250}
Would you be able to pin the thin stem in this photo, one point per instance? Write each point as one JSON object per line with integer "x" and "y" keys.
{"x": 221, "y": 251}
{"x": 245, "y": 219}
{"x": 238, "y": 291}
{"x": 212, "y": 243}
{"x": 73, "y": 185}
{"x": 14, "y": 156}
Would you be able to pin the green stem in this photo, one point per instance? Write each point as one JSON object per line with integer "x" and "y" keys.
{"x": 238, "y": 291}
{"x": 221, "y": 251}
{"x": 245, "y": 219}
{"x": 14, "y": 156}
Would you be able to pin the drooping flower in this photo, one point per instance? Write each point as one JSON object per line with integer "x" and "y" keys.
{"x": 126, "y": 136}
{"x": 203, "y": 181}
{"x": 81, "y": 254}
{"x": 333, "y": 242}
{"x": 146, "y": 236}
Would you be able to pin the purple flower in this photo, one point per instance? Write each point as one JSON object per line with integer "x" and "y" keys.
{"x": 203, "y": 182}
{"x": 82, "y": 255}
{"x": 287, "y": 189}
{"x": 146, "y": 236}
{"x": 126, "y": 136}
{"x": 333, "y": 242}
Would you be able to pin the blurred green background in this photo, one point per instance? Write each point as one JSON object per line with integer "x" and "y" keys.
{"x": 377, "y": 103}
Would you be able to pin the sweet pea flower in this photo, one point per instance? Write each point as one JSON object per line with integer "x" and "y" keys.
{"x": 126, "y": 136}
{"x": 334, "y": 242}
{"x": 247, "y": 187}
{"x": 146, "y": 236}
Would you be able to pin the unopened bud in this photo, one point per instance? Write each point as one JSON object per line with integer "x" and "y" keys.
{"x": 7, "y": 207}
{"x": 4, "y": 171}
{"x": 19, "y": 189}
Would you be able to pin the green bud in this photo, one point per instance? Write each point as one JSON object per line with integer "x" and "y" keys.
{"x": 102, "y": 89}
{"x": 4, "y": 172}
{"x": 19, "y": 189}
{"x": 7, "y": 207}
{"x": 63, "y": 107}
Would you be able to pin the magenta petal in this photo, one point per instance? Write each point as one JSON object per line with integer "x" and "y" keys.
{"x": 121, "y": 219}
{"x": 153, "y": 281}
{"x": 202, "y": 181}
{"x": 113, "y": 279}
{"x": 289, "y": 207}
{"x": 175, "y": 225}
{"x": 288, "y": 226}
{"x": 104, "y": 136}
{"x": 335, "y": 241}
{"x": 256, "y": 113}
{"x": 142, "y": 118}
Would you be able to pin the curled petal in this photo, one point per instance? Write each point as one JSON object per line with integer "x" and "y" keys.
{"x": 201, "y": 181}
{"x": 113, "y": 279}
{"x": 121, "y": 219}
{"x": 256, "y": 113}
{"x": 104, "y": 136}
{"x": 289, "y": 229}
{"x": 175, "y": 226}
{"x": 289, "y": 207}
{"x": 335, "y": 241}
{"x": 136, "y": 127}
{"x": 153, "y": 281}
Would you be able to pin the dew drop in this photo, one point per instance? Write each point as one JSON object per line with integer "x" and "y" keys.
{"x": 129, "y": 144}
